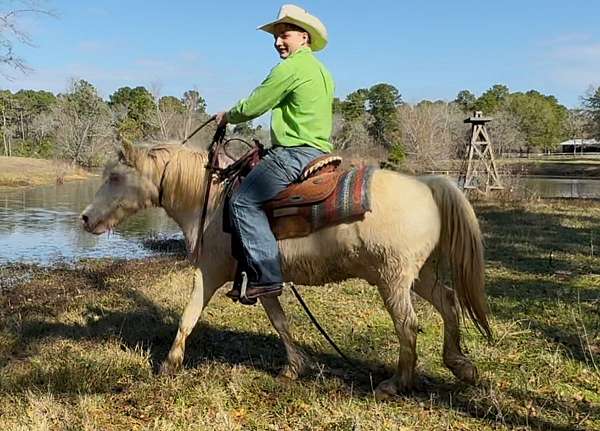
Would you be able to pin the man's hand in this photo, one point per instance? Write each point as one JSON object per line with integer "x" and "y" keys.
{"x": 221, "y": 119}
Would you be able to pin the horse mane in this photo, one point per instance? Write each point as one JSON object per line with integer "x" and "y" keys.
{"x": 178, "y": 170}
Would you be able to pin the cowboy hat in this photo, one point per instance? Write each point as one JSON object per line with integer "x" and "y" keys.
{"x": 292, "y": 14}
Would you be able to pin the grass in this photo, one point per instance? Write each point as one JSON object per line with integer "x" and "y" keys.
{"x": 79, "y": 347}
{"x": 27, "y": 172}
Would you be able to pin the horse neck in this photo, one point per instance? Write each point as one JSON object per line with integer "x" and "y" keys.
{"x": 183, "y": 194}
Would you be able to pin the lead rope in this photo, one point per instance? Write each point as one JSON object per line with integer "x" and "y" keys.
{"x": 315, "y": 322}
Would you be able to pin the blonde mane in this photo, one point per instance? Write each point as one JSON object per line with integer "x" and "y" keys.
{"x": 177, "y": 169}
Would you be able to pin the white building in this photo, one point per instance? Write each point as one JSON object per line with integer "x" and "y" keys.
{"x": 580, "y": 146}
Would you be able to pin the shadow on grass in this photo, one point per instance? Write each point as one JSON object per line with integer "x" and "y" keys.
{"x": 153, "y": 328}
{"x": 528, "y": 241}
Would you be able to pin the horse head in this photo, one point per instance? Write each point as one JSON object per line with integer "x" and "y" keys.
{"x": 129, "y": 185}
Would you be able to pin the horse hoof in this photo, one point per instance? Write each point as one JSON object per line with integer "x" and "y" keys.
{"x": 468, "y": 374}
{"x": 287, "y": 373}
{"x": 465, "y": 371}
{"x": 168, "y": 368}
{"x": 386, "y": 390}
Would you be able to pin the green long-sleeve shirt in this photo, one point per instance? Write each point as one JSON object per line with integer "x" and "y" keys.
{"x": 299, "y": 91}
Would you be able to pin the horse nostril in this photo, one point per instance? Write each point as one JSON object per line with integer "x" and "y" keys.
{"x": 84, "y": 218}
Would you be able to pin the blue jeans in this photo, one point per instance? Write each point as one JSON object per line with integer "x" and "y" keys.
{"x": 258, "y": 252}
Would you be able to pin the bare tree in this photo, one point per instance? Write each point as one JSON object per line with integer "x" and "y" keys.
{"x": 12, "y": 33}
{"x": 505, "y": 132}
{"x": 352, "y": 135}
{"x": 431, "y": 133}
{"x": 84, "y": 132}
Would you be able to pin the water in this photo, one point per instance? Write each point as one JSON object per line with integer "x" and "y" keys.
{"x": 41, "y": 225}
{"x": 563, "y": 187}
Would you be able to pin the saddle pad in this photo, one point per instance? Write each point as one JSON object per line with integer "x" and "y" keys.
{"x": 349, "y": 200}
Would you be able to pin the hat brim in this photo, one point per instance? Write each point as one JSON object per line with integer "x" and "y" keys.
{"x": 317, "y": 41}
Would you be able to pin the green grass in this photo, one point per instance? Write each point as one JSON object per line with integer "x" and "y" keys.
{"x": 79, "y": 347}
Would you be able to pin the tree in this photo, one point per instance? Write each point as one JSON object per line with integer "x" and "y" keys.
{"x": 7, "y": 112}
{"x": 350, "y": 123}
{"x": 12, "y": 34}
{"x": 30, "y": 104}
{"x": 431, "y": 133}
{"x": 83, "y": 119}
{"x": 493, "y": 99}
{"x": 195, "y": 107}
{"x": 465, "y": 101}
{"x": 383, "y": 100}
{"x": 505, "y": 132}
{"x": 591, "y": 101}
{"x": 354, "y": 107}
{"x": 194, "y": 102}
{"x": 169, "y": 112}
{"x": 138, "y": 109}
{"x": 541, "y": 118}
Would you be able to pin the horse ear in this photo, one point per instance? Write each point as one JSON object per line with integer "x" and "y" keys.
{"x": 127, "y": 152}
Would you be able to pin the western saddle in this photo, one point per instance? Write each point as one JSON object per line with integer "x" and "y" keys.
{"x": 292, "y": 213}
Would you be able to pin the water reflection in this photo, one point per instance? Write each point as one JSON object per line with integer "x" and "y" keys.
{"x": 563, "y": 187}
{"x": 41, "y": 225}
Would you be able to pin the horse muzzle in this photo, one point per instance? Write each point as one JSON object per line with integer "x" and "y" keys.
{"x": 92, "y": 224}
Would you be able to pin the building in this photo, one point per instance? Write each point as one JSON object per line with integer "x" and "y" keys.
{"x": 575, "y": 146}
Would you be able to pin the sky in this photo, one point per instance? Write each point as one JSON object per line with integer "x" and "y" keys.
{"x": 428, "y": 49}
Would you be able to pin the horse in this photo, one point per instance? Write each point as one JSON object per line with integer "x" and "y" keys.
{"x": 417, "y": 227}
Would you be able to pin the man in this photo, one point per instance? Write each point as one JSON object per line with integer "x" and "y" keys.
{"x": 299, "y": 92}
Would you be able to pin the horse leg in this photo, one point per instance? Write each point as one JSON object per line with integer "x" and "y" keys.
{"x": 396, "y": 296}
{"x": 201, "y": 295}
{"x": 295, "y": 355}
{"x": 444, "y": 300}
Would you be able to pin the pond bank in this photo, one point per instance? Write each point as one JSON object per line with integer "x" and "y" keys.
{"x": 28, "y": 172}
{"x": 565, "y": 167}
{"x": 79, "y": 346}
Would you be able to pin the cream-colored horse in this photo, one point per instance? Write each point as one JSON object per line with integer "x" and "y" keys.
{"x": 415, "y": 224}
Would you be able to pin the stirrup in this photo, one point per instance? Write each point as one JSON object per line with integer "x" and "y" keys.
{"x": 243, "y": 298}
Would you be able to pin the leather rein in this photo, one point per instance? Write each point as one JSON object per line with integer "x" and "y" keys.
{"x": 214, "y": 172}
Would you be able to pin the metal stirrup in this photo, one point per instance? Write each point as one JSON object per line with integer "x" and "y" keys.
{"x": 243, "y": 286}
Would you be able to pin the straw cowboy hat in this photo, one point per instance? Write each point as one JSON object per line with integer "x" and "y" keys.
{"x": 292, "y": 14}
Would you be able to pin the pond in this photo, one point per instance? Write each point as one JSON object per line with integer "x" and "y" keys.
{"x": 41, "y": 224}
{"x": 585, "y": 188}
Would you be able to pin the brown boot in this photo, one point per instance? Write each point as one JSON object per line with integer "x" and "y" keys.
{"x": 257, "y": 291}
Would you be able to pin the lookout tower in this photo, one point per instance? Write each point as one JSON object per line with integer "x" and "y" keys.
{"x": 479, "y": 167}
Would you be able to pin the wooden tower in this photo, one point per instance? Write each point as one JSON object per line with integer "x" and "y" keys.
{"x": 479, "y": 168}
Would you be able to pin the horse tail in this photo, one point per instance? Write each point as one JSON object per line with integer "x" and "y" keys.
{"x": 461, "y": 243}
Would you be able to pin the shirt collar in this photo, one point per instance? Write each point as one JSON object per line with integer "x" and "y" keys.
{"x": 301, "y": 50}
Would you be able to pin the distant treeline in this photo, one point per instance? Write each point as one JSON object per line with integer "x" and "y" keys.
{"x": 80, "y": 127}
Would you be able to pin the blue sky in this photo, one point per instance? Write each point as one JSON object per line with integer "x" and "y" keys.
{"x": 428, "y": 49}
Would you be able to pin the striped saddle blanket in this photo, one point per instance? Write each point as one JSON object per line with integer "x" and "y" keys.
{"x": 320, "y": 201}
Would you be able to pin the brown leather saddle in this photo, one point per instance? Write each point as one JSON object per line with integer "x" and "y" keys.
{"x": 323, "y": 195}
{"x": 289, "y": 211}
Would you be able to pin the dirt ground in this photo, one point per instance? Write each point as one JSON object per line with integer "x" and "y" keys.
{"x": 27, "y": 172}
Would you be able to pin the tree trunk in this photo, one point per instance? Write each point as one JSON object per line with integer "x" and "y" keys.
{"x": 4, "y": 133}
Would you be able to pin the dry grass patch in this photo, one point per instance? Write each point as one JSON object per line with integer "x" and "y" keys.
{"x": 26, "y": 172}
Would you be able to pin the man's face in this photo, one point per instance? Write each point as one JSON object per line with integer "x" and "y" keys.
{"x": 289, "y": 39}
